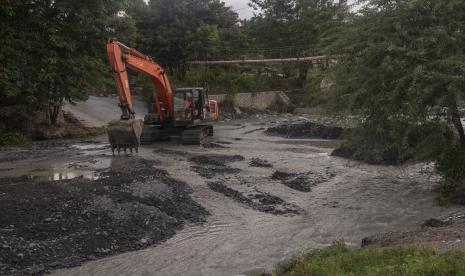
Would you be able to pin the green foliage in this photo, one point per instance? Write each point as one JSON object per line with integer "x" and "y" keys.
{"x": 393, "y": 66}
{"x": 13, "y": 138}
{"x": 338, "y": 260}
{"x": 231, "y": 80}
{"x": 54, "y": 51}
{"x": 174, "y": 31}
{"x": 394, "y": 143}
{"x": 399, "y": 64}
{"x": 301, "y": 23}
{"x": 451, "y": 166}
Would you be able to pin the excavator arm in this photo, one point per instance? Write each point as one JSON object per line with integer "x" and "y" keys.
{"x": 125, "y": 133}
{"x": 120, "y": 57}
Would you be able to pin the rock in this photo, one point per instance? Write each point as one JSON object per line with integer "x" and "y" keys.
{"x": 47, "y": 220}
{"x": 257, "y": 162}
{"x": 434, "y": 223}
{"x": 38, "y": 269}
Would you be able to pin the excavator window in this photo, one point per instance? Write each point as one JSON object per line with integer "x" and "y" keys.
{"x": 188, "y": 105}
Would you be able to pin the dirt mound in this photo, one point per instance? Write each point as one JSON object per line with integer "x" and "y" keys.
{"x": 211, "y": 171}
{"x": 260, "y": 163}
{"x": 212, "y": 164}
{"x": 302, "y": 182}
{"x": 69, "y": 127}
{"x": 216, "y": 159}
{"x": 306, "y": 130}
{"x": 258, "y": 201}
{"x": 50, "y": 225}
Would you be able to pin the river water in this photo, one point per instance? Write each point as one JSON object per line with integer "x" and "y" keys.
{"x": 353, "y": 201}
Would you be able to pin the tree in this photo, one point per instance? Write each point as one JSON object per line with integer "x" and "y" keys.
{"x": 401, "y": 67}
{"x": 63, "y": 48}
{"x": 172, "y": 31}
{"x": 295, "y": 27}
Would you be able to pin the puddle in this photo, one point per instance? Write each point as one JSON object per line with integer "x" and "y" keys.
{"x": 56, "y": 170}
{"x": 88, "y": 149}
{"x": 64, "y": 175}
{"x": 51, "y": 174}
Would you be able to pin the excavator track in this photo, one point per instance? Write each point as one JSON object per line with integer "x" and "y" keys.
{"x": 195, "y": 134}
{"x": 153, "y": 133}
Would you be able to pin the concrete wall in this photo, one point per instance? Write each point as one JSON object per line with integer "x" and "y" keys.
{"x": 257, "y": 100}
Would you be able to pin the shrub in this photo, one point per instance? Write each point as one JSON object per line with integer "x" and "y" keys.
{"x": 338, "y": 260}
{"x": 12, "y": 138}
{"x": 451, "y": 166}
{"x": 393, "y": 143}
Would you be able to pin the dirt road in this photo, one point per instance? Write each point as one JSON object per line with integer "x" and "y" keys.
{"x": 268, "y": 198}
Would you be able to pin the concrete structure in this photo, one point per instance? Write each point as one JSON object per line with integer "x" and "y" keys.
{"x": 256, "y": 100}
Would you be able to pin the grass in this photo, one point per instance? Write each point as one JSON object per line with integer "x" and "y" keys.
{"x": 13, "y": 138}
{"x": 338, "y": 260}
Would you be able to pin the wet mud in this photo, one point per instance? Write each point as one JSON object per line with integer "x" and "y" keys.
{"x": 211, "y": 165}
{"x": 260, "y": 163}
{"x": 212, "y": 145}
{"x": 53, "y": 224}
{"x": 259, "y": 201}
{"x": 260, "y": 219}
{"x": 302, "y": 182}
{"x": 306, "y": 130}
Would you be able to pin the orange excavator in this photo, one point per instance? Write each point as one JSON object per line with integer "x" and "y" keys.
{"x": 181, "y": 113}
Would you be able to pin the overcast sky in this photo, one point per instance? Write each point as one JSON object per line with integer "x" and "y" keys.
{"x": 242, "y": 8}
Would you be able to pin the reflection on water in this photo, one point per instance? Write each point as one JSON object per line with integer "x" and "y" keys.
{"x": 64, "y": 175}
{"x": 56, "y": 170}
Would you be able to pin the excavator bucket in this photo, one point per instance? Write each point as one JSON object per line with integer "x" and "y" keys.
{"x": 125, "y": 134}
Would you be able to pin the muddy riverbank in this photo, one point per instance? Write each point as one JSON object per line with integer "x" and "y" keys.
{"x": 267, "y": 197}
{"x": 54, "y": 223}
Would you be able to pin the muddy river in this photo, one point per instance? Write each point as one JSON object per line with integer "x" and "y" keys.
{"x": 267, "y": 198}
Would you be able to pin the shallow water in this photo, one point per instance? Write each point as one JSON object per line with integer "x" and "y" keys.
{"x": 356, "y": 201}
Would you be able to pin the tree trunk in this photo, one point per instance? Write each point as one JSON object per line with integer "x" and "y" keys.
{"x": 455, "y": 116}
{"x": 53, "y": 114}
{"x": 302, "y": 79}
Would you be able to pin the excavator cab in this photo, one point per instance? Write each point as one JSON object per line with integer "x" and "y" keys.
{"x": 191, "y": 105}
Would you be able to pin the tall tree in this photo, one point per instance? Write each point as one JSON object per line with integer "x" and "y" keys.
{"x": 295, "y": 27}
{"x": 63, "y": 48}
{"x": 402, "y": 63}
{"x": 172, "y": 31}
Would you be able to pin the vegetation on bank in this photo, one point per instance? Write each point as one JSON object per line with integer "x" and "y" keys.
{"x": 13, "y": 138}
{"x": 338, "y": 260}
{"x": 401, "y": 72}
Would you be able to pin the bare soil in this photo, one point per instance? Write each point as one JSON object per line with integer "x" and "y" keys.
{"x": 260, "y": 163}
{"x": 210, "y": 165}
{"x": 302, "y": 182}
{"x": 257, "y": 200}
